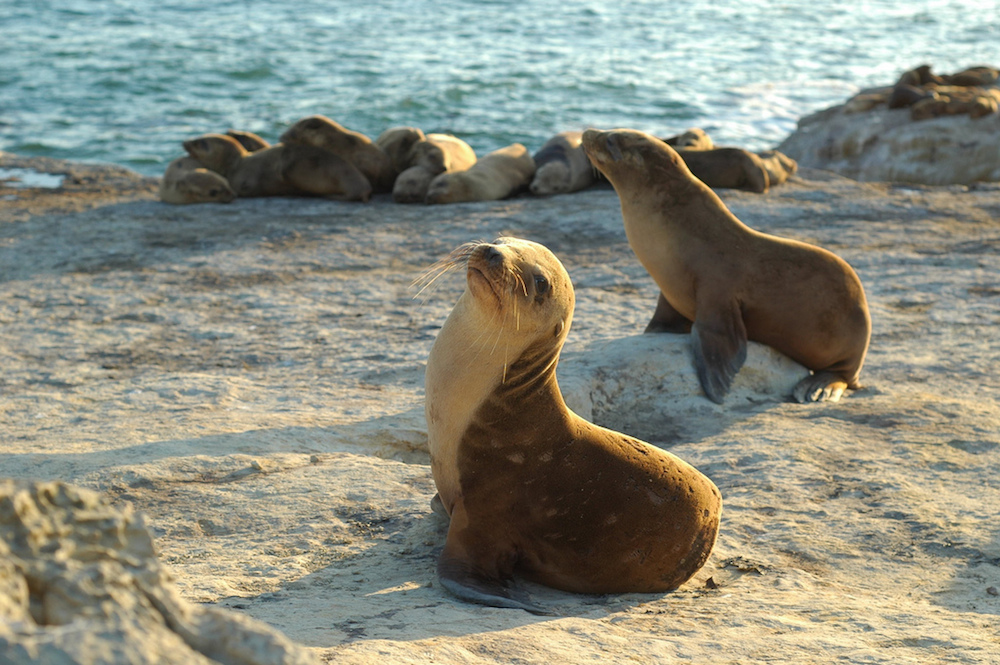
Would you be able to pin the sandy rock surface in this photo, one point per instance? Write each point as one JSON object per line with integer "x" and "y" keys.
{"x": 883, "y": 144}
{"x": 249, "y": 376}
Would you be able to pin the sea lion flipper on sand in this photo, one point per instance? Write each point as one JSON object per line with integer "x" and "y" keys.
{"x": 719, "y": 342}
{"x": 666, "y": 319}
{"x": 462, "y": 567}
{"x": 819, "y": 387}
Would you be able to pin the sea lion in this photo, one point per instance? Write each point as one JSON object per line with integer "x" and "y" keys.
{"x": 496, "y": 176}
{"x": 355, "y": 147}
{"x": 187, "y": 181}
{"x": 974, "y": 76}
{"x": 292, "y": 170}
{"x": 779, "y": 166}
{"x": 397, "y": 142}
{"x": 727, "y": 283}
{"x": 250, "y": 141}
{"x": 694, "y": 138}
{"x": 436, "y": 154}
{"x": 727, "y": 168}
{"x": 561, "y": 166}
{"x": 530, "y": 486}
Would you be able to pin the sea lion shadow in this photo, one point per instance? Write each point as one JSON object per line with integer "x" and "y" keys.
{"x": 646, "y": 386}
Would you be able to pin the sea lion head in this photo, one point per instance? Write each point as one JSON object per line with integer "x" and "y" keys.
{"x": 551, "y": 178}
{"x": 448, "y": 188}
{"x": 217, "y": 152}
{"x": 518, "y": 296}
{"x": 636, "y": 161}
{"x": 204, "y": 186}
{"x": 397, "y": 143}
{"x": 411, "y": 185}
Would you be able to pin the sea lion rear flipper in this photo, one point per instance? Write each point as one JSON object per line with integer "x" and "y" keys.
{"x": 470, "y": 580}
{"x": 719, "y": 342}
{"x": 666, "y": 319}
{"x": 820, "y": 387}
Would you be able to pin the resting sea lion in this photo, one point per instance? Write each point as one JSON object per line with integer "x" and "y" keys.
{"x": 397, "y": 142}
{"x": 725, "y": 282}
{"x": 727, "y": 168}
{"x": 561, "y": 166}
{"x": 779, "y": 166}
{"x": 355, "y": 147}
{"x": 293, "y": 170}
{"x": 436, "y": 154}
{"x": 496, "y": 176}
{"x": 530, "y": 486}
{"x": 694, "y": 138}
{"x": 186, "y": 181}
{"x": 250, "y": 141}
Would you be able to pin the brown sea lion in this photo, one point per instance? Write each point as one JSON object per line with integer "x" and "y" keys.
{"x": 496, "y": 176}
{"x": 293, "y": 170}
{"x": 779, "y": 166}
{"x": 694, "y": 138}
{"x": 531, "y": 487}
{"x": 727, "y": 168}
{"x": 727, "y": 283}
{"x": 436, "y": 154}
{"x": 397, "y": 142}
{"x": 355, "y": 147}
{"x": 561, "y": 166}
{"x": 250, "y": 141}
{"x": 187, "y": 181}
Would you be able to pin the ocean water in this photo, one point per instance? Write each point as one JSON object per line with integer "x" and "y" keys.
{"x": 125, "y": 81}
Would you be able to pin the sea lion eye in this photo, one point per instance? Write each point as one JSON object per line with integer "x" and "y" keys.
{"x": 541, "y": 285}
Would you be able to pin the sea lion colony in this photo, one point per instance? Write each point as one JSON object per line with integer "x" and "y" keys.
{"x": 317, "y": 156}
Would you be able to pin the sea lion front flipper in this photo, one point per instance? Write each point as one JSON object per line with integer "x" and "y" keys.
{"x": 666, "y": 319}
{"x": 820, "y": 387}
{"x": 719, "y": 342}
{"x": 470, "y": 580}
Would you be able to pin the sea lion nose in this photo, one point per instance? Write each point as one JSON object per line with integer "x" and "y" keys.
{"x": 492, "y": 255}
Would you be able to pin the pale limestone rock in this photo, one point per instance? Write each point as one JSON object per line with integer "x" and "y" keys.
{"x": 80, "y": 584}
{"x": 883, "y": 144}
{"x": 646, "y": 385}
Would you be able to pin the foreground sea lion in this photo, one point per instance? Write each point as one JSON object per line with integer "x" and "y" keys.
{"x": 187, "y": 181}
{"x": 561, "y": 166}
{"x": 530, "y": 486}
{"x": 725, "y": 282}
{"x": 496, "y": 176}
{"x": 355, "y": 147}
{"x": 436, "y": 154}
{"x": 294, "y": 170}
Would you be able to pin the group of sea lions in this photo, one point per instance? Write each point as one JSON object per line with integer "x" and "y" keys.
{"x": 532, "y": 488}
{"x": 973, "y": 92}
{"x": 317, "y": 156}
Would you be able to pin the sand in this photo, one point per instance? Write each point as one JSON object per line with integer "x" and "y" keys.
{"x": 250, "y": 375}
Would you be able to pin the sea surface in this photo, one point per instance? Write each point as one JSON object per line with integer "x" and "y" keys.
{"x": 125, "y": 81}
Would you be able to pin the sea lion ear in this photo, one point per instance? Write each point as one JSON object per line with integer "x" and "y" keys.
{"x": 559, "y": 328}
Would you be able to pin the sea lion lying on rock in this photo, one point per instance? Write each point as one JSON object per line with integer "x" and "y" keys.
{"x": 250, "y": 141}
{"x": 322, "y": 132}
{"x": 436, "y": 154}
{"x": 561, "y": 166}
{"x": 496, "y": 176}
{"x": 187, "y": 181}
{"x": 727, "y": 168}
{"x": 280, "y": 170}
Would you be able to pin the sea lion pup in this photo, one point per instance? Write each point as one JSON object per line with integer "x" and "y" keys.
{"x": 186, "y": 181}
{"x": 355, "y": 147}
{"x": 531, "y": 487}
{"x": 436, "y": 154}
{"x": 496, "y": 176}
{"x": 250, "y": 141}
{"x": 561, "y": 166}
{"x": 693, "y": 138}
{"x": 779, "y": 166}
{"x": 293, "y": 170}
{"x": 397, "y": 142}
{"x": 727, "y": 168}
{"x": 725, "y": 282}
